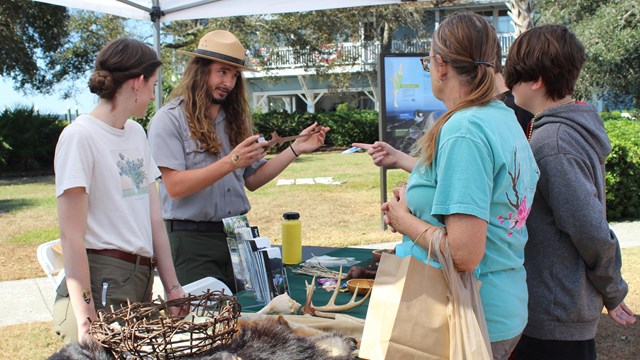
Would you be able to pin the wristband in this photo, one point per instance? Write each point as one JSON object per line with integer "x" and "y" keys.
{"x": 293, "y": 151}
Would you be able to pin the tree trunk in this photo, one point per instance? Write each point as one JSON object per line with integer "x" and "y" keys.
{"x": 387, "y": 37}
{"x": 522, "y": 13}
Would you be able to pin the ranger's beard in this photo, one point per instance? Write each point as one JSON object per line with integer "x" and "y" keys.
{"x": 217, "y": 101}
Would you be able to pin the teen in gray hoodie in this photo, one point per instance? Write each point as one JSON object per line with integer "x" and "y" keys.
{"x": 572, "y": 258}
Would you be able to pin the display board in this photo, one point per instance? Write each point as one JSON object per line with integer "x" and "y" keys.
{"x": 408, "y": 106}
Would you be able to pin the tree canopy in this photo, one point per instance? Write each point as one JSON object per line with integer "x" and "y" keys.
{"x": 44, "y": 45}
{"x": 311, "y": 30}
{"x": 309, "y": 35}
{"x": 31, "y": 35}
{"x": 88, "y": 33}
{"x": 610, "y": 33}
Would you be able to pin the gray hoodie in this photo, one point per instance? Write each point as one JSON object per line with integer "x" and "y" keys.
{"x": 572, "y": 258}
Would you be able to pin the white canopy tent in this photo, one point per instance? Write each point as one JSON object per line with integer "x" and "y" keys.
{"x": 159, "y": 11}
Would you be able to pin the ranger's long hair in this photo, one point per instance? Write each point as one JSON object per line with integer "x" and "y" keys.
{"x": 194, "y": 89}
{"x": 462, "y": 40}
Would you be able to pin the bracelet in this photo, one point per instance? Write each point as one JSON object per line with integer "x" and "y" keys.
{"x": 293, "y": 151}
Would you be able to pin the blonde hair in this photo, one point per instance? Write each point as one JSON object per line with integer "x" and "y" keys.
{"x": 462, "y": 40}
{"x": 194, "y": 90}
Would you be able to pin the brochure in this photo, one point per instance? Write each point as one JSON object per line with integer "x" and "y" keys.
{"x": 276, "y": 274}
{"x": 240, "y": 272}
{"x": 257, "y": 267}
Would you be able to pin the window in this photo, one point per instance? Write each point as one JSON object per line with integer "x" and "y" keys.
{"x": 505, "y": 25}
{"x": 488, "y": 15}
{"x": 369, "y": 34}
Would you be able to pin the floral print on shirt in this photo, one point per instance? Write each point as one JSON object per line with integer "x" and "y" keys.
{"x": 518, "y": 219}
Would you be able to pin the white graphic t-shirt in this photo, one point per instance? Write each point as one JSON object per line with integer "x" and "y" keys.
{"x": 115, "y": 168}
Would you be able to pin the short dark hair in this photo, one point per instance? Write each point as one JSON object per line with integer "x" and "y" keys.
{"x": 497, "y": 67}
{"x": 550, "y": 52}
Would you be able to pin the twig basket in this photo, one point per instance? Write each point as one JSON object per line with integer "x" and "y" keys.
{"x": 146, "y": 330}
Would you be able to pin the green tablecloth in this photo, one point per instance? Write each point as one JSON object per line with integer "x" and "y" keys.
{"x": 321, "y": 297}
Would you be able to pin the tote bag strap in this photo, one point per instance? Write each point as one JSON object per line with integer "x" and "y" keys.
{"x": 470, "y": 338}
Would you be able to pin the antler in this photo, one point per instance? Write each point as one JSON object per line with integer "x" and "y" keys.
{"x": 276, "y": 139}
{"x": 329, "y": 310}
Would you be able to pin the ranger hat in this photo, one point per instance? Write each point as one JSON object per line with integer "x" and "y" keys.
{"x": 222, "y": 46}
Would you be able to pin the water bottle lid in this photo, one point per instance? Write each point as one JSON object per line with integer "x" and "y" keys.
{"x": 291, "y": 216}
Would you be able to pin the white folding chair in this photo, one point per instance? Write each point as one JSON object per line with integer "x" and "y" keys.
{"x": 52, "y": 262}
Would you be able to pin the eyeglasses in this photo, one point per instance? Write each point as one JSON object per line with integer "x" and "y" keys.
{"x": 425, "y": 62}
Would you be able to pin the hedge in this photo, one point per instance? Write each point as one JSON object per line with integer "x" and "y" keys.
{"x": 28, "y": 140}
{"x": 623, "y": 168}
{"x": 346, "y": 126}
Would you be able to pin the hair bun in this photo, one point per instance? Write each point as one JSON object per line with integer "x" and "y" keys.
{"x": 101, "y": 84}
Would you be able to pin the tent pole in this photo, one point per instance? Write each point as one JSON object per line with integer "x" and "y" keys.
{"x": 156, "y": 14}
{"x": 156, "y": 43}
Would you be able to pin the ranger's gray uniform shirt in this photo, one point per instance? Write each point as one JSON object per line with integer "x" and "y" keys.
{"x": 172, "y": 147}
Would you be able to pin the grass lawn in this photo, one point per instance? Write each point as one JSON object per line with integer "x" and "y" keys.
{"x": 331, "y": 215}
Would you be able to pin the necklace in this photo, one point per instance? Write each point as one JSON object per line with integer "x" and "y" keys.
{"x": 535, "y": 117}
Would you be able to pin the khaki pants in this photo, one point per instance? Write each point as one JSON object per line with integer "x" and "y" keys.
{"x": 197, "y": 255}
{"x": 113, "y": 282}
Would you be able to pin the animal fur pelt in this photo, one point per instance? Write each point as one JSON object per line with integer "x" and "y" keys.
{"x": 266, "y": 339}
{"x": 75, "y": 351}
{"x": 273, "y": 338}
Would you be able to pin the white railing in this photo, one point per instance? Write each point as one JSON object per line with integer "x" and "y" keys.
{"x": 348, "y": 53}
{"x": 506, "y": 39}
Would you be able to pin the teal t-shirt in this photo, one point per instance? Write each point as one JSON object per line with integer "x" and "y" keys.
{"x": 483, "y": 167}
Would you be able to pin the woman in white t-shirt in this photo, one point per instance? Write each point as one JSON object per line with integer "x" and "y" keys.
{"x": 111, "y": 228}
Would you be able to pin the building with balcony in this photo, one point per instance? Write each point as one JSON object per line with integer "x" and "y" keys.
{"x": 286, "y": 81}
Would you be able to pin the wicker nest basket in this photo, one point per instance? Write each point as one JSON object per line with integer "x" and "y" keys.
{"x": 146, "y": 331}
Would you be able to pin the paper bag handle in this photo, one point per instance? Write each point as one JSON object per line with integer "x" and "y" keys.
{"x": 438, "y": 228}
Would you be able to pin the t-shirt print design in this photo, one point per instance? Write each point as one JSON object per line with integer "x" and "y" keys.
{"x": 518, "y": 219}
{"x": 133, "y": 176}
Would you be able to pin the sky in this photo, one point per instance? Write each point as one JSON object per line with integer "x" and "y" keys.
{"x": 54, "y": 104}
{"x": 85, "y": 101}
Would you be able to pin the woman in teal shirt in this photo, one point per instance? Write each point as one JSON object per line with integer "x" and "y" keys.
{"x": 475, "y": 175}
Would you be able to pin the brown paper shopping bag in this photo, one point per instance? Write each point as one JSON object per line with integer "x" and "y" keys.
{"x": 407, "y": 315}
{"x": 417, "y": 311}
